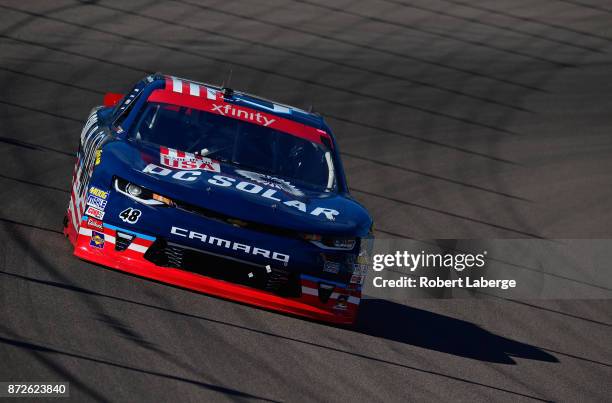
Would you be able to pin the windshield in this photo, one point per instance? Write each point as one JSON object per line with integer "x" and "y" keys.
{"x": 253, "y": 147}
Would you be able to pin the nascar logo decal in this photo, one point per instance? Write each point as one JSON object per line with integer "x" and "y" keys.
{"x": 172, "y": 158}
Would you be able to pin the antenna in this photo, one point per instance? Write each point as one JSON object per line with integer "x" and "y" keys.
{"x": 226, "y": 83}
{"x": 227, "y": 91}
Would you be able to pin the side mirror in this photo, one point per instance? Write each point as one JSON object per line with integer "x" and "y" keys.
{"x": 111, "y": 98}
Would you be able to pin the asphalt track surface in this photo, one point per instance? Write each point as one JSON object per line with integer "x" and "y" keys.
{"x": 456, "y": 118}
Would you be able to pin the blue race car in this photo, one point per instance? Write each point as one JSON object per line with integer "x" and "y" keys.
{"x": 220, "y": 192}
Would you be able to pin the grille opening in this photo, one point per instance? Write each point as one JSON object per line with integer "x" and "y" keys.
{"x": 279, "y": 281}
{"x": 123, "y": 241}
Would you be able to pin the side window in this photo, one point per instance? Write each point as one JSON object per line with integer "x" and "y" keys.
{"x": 123, "y": 109}
{"x": 128, "y": 105}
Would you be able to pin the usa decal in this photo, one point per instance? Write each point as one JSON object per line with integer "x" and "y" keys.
{"x": 186, "y": 161}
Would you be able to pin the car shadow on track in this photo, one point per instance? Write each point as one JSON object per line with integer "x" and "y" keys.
{"x": 387, "y": 320}
{"x": 417, "y": 327}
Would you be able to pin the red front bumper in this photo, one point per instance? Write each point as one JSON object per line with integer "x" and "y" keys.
{"x": 132, "y": 261}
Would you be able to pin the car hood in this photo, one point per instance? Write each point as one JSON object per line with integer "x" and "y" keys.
{"x": 239, "y": 193}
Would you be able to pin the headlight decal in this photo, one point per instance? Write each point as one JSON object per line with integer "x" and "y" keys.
{"x": 140, "y": 194}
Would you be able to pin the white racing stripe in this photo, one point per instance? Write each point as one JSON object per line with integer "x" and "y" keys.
{"x": 177, "y": 85}
{"x": 210, "y": 93}
{"x": 72, "y": 209}
{"x": 138, "y": 248}
{"x": 194, "y": 89}
{"x": 84, "y": 231}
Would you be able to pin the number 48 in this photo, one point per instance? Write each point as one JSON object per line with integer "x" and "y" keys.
{"x": 130, "y": 215}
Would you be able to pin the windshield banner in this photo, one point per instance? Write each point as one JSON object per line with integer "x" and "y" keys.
{"x": 218, "y": 106}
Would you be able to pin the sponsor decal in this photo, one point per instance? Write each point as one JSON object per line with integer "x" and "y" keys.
{"x": 271, "y": 181}
{"x": 94, "y": 212}
{"x": 98, "y": 157}
{"x": 331, "y": 267}
{"x": 244, "y": 186}
{"x": 186, "y": 161}
{"x": 98, "y": 192}
{"x": 130, "y": 215}
{"x": 360, "y": 269}
{"x": 97, "y": 239}
{"x": 362, "y": 259}
{"x": 341, "y": 303}
{"x": 244, "y": 114}
{"x": 357, "y": 279}
{"x": 92, "y": 222}
{"x": 248, "y": 187}
{"x": 230, "y": 245}
{"x": 187, "y": 176}
{"x": 96, "y": 202}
